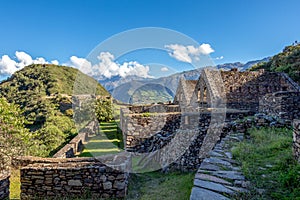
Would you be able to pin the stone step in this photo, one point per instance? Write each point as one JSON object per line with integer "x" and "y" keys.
{"x": 233, "y": 175}
{"x": 207, "y": 177}
{"x": 215, "y": 160}
{"x": 229, "y": 155}
{"x": 216, "y": 187}
{"x": 215, "y": 154}
{"x": 203, "y": 194}
{"x": 208, "y": 166}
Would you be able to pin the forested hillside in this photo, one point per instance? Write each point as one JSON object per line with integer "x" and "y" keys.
{"x": 43, "y": 93}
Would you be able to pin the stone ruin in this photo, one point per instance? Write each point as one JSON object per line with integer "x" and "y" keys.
{"x": 205, "y": 107}
{"x": 167, "y": 136}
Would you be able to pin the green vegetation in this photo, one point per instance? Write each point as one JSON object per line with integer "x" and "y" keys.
{"x": 157, "y": 185}
{"x": 109, "y": 141}
{"x": 267, "y": 161}
{"x": 287, "y": 61}
{"x": 15, "y": 184}
{"x": 14, "y": 137}
{"x": 103, "y": 110}
{"x": 43, "y": 92}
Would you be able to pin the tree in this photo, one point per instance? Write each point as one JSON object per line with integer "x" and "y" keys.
{"x": 14, "y": 137}
{"x": 103, "y": 110}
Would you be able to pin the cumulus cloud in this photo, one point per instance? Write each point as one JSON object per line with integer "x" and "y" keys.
{"x": 8, "y": 66}
{"x": 82, "y": 64}
{"x": 219, "y": 58}
{"x": 107, "y": 67}
{"x": 164, "y": 69}
{"x": 188, "y": 53}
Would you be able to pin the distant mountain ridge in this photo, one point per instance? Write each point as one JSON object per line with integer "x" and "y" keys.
{"x": 123, "y": 88}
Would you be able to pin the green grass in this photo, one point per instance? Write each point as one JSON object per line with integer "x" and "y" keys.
{"x": 109, "y": 141}
{"x": 156, "y": 185}
{"x": 267, "y": 161}
{"x": 15, "y": 184}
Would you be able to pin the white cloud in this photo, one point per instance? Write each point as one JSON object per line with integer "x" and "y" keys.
{"x": 8, "y": 66}
{"x": 188, "y": 53}
{"x": 164, "y": 69}
{"x": 23, "y": 58}
{"x": 107, "y": 67}
{"x": 219, "y": 58}
{"x": 82, "y": 64}
{"x": 55, "y": 62}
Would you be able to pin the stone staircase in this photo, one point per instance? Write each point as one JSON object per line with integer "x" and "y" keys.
{"x": 219, "y": 176}
{"x": 289, "y": 80}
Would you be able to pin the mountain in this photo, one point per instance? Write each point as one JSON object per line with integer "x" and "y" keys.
{"x": 163, "y": 89}
{"x": 288, "y": 61}
{"x": 43, "y": 92}
{"x": 240, "y": 66}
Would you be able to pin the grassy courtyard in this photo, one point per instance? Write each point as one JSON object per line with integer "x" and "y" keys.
{"x": 108, "y": 141}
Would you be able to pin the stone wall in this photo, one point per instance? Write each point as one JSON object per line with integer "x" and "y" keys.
{"x": 296, "y": 139}
{"x": 159, "y": 108}
{"x": 4, "y": 186}
{"x": 137, "y": 127}
{"x": 283, "y": 105}
{"x": 178, "y": 137}
{"x": 72, "y": 177}
{"x": 243, "y": 89}
{"x": 76, "y": 145}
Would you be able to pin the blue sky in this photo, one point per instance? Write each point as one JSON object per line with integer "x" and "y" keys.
{"x": 236, "y": 30}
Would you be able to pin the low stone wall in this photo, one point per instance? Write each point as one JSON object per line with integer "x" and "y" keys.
{"x": 4, "y": 186}
{"x": 283, "y": 105}
{"x": 74, "y": 177}
{"x": 159, "y": 108}
{"x": 296, "y": 139}
{"x": 75, "y": 146}
{"x": 136, "y": 128}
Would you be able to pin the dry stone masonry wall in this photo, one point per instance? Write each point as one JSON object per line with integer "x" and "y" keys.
{"x": 72, "y": 179}
{"x": 283, "y": 105}
{"x": 76, "y": 145}
{"x": 4, "y": 186}
{"x": 296, "y": 139}
{"x": 243, "y": 89}
{"x": 84, "y": 177}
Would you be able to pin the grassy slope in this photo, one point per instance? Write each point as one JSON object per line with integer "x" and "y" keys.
{"x": 268, "y": 163}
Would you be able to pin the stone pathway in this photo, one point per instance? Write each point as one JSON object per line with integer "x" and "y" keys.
{"x": 219, "y": 176}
